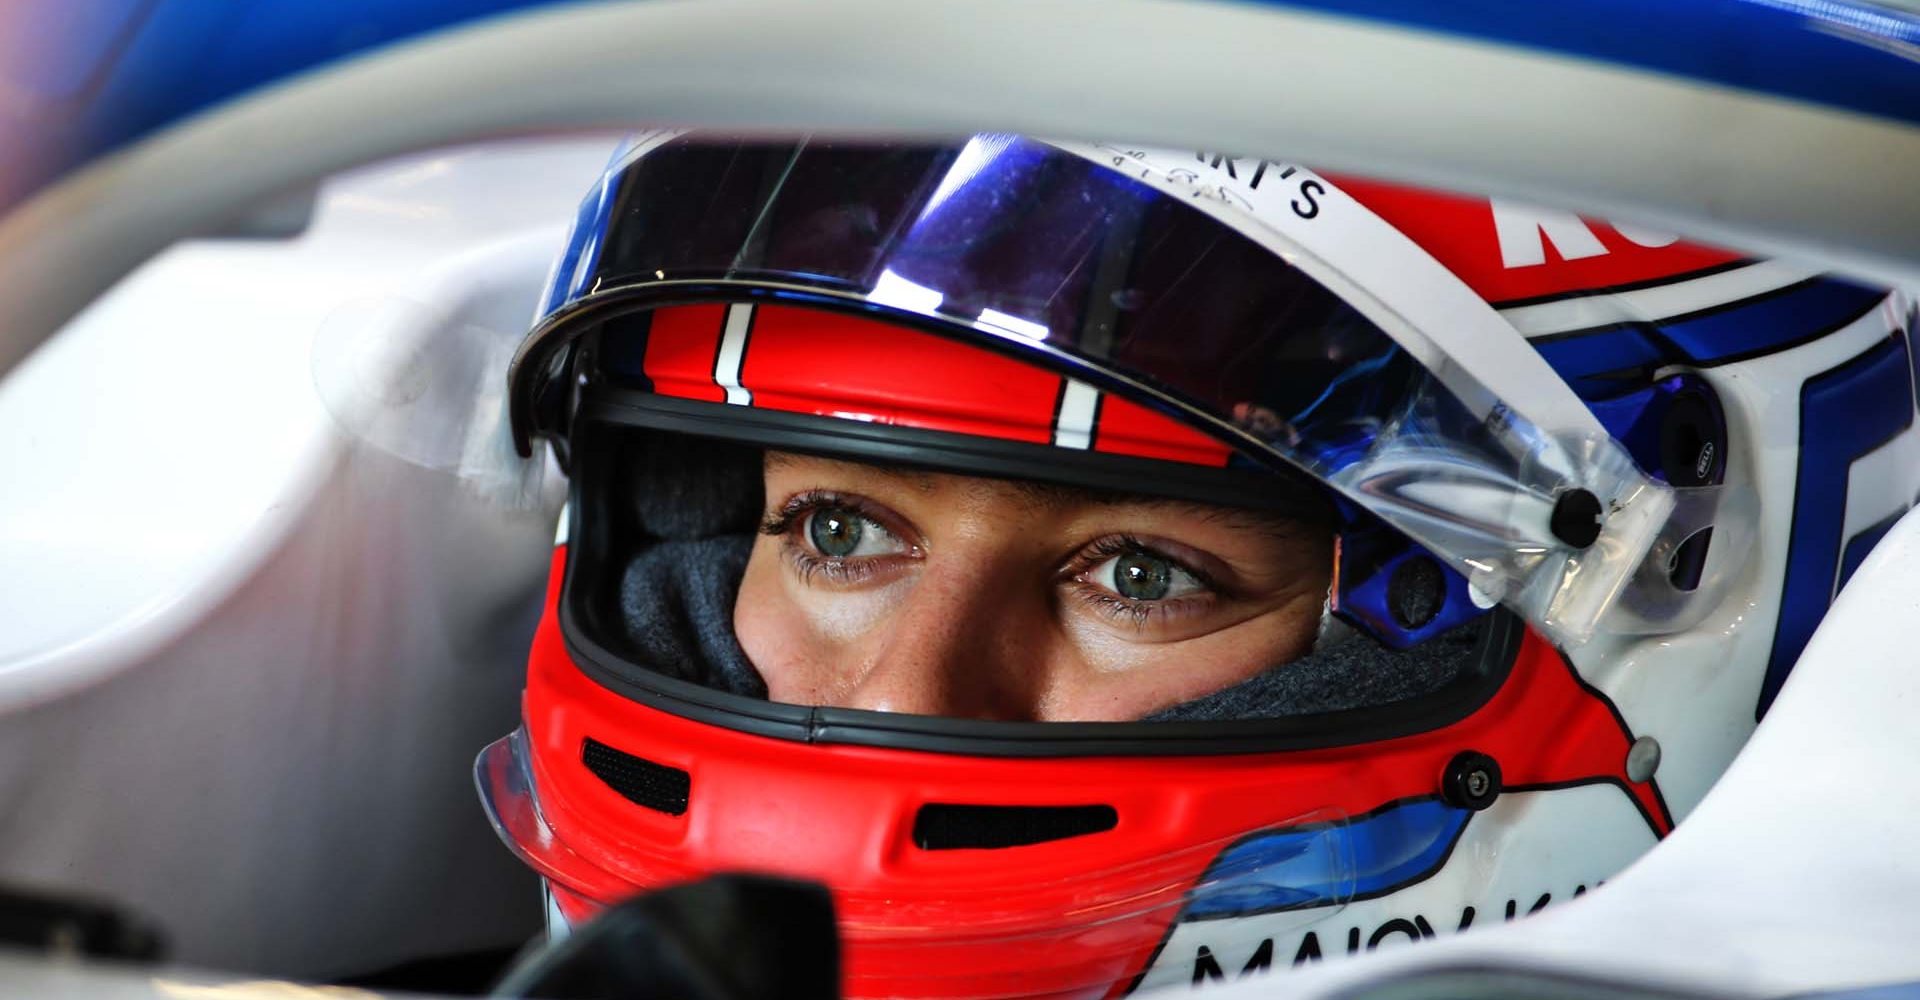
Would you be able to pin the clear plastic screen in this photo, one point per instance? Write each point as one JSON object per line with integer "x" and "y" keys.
{"x": 1041, "y": 251}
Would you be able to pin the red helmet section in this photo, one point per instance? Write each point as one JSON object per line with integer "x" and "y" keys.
{"x": 810, "y": 361}
{"x": 1048, "y": 919}
{"x": 1510, "y": 253}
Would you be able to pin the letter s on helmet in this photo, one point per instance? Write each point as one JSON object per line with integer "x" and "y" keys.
{"x": 1593, "y": 489}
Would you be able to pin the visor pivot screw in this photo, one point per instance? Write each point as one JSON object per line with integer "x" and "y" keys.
{"x": 1643, "y": 758}
{"x": 1471, "y": 781}
{"x": 1576, "y": 518}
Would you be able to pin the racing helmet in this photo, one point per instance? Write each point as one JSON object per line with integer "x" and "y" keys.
{"x": 1589, "y": 490}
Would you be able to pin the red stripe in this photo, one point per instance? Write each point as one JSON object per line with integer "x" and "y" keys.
{"x": 682, "y": 343}
{"x": 827, "y": 364}
{"x": 1131, "y": 429}
{"x": 1459, "y": 232}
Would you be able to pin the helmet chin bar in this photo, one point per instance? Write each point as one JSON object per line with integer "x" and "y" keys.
{"x": 946, "y": 934}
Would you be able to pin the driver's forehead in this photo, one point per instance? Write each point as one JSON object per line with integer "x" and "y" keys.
{"x": 797, "y": 471}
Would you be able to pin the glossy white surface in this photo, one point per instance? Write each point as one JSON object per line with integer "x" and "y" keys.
{"x": 1695, "y": 691}
{"x": 1511, "y": 855}
{"x": 256, "y": 624}
{"x": 1793, "y": 875}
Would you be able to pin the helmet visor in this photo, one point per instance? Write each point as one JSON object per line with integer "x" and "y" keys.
{"x": 1199, "y": 307}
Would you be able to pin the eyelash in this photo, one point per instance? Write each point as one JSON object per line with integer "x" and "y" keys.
{"x": 783, "y": 522}
{"x": 1136, "y": 613}
{"x": 793, "y": 513}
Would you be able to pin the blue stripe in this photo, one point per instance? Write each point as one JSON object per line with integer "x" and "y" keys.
{"x": 1322, "y": 865}
{"x": 586, "y": 238}
{"x": 560, "y": 290}
{"x": 1593, "y": 363}
{"x": 1841, "y": 54}
{"x": 1845, "y": 413}
{"x": 1861, "y": 544}
{"x": 1772, "y": 322}
{"x": 1605, "y": 362}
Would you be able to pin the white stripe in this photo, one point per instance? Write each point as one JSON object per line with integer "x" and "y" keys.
{"x": 557, "y": 927}
{"x": 1660, "y": 302}
{"x": 733, "y": 351}
{"x": 1079, "y": 404}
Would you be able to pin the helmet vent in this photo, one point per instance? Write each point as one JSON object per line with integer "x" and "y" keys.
{"x": 639, "y": 781}
{"x": 941, "y": 827}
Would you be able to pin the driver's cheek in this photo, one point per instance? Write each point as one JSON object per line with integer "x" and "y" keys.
{"x": 801, "y": 639}
{"x": 1137, "y": 676}
{"x": 1130, "y": 676}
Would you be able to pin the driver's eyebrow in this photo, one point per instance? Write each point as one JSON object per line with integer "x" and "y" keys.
{"x": 1037, "y": 494}
{"x": 1057, "y": 496}
{"x": 1053, "y": 495}
{"x": 920, "y": 480}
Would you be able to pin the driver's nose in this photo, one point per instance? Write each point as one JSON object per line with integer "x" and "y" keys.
{"x": 961, "y": 645}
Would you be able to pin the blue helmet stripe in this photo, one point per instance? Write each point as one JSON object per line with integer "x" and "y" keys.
{"x": 1325, "y": 864}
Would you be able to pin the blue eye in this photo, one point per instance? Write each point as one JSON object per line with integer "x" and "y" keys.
{"x": 835, "y": 531}
{"x": 842, "y": 533}
{"x": 1142, "y": 575}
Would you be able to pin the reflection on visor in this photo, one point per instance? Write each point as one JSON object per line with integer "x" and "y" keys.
{"x": 1115, "y": 280}
{"x": 1025, "y": 242}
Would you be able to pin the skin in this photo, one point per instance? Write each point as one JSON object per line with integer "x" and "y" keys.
{"x": 994, "y": 599}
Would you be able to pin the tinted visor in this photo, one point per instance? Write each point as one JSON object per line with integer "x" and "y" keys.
{"x": 1020, "y": 241}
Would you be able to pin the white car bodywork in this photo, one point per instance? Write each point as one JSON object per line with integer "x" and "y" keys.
{"x": 210, "y": 711}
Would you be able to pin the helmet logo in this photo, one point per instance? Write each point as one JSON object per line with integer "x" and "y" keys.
{"x": 1524, "y": 231}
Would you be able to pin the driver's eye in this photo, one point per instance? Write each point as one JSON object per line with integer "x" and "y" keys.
{"x": 1142, "y": 575}
{"x": 842, "y": 533}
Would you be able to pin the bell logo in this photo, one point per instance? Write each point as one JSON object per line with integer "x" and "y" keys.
{"x": 1525, "y": 230}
